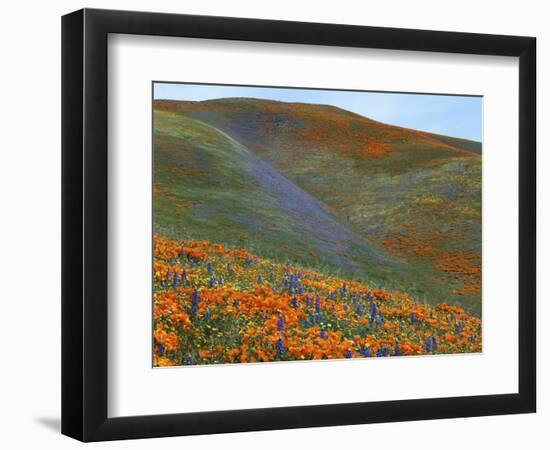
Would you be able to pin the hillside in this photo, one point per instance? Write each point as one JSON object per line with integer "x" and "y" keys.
{"x": 208, "y": 185}
{"x": 403, "y": 205}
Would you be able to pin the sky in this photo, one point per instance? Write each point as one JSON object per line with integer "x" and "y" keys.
{"x": 451, "y": 115}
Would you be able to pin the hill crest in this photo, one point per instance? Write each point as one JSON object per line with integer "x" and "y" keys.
{"x": 328, "y": 115}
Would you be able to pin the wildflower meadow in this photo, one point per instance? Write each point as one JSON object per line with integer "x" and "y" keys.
{"x": 292, "y": 229}
{"x": 216, "y": 305}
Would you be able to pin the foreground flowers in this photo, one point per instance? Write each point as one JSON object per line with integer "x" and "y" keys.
{"x": 217, "y": 305}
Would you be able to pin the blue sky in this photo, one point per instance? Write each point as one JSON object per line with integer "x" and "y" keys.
{"x": 451, "y": 115}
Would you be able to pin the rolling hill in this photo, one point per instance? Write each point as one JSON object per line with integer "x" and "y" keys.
{"x": 326, "y": 188}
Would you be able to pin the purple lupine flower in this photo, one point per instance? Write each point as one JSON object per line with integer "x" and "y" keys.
{"x": 195, "y": 300}
{"x": 182, "y": 251}
{"x": 291, "y": 284}
{"x": 317, "y": 305}
{"x": 211, "y": 282}
{"x": 209, "y": 267}
{"x": 372, "y": 307}
{"x": 189, "y": 360}
{"x": 160, "y": 349}
{"x": 260, "y": 280}
{"x": 365, "y": 352}
{"x": 281, "y": 323}
{"x": 294, "y": 302}
{"x": 429, "y": 344}
{"x": 324, "y": 334}
{"x": 175, "y": 281}
{"x": 397, "y": 349}
{"x": 235, "y": 303}
{"x": 343, "y": 290}
{"x": 349, "y": 354}
{"x": 207, "y": 315}
{"x": 308, "y": 301}
{"x": 280, "y": 347}
{"x": 413, "y": 318}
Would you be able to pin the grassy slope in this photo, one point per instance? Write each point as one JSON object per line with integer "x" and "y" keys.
{"x": 416, "y": 194}
{"x": 208, "y": 186}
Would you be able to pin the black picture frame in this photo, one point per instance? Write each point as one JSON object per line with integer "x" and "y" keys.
{"x": 85, "y": 236}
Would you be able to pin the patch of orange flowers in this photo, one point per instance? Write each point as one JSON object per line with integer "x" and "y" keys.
{"x": 213, "y": 305}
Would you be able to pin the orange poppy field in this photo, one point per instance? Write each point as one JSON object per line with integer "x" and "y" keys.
{"x": 215, "y": 305}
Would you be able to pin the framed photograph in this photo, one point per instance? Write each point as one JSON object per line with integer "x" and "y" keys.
{"x": 273, "y": 224}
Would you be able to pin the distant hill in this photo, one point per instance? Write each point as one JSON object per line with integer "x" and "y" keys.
{"x": 322, "y": 185}
{"x": 312, "y": 124}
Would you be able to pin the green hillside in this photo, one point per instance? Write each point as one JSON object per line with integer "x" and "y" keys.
{"x": 404, "y": 205}
{"x": 209, "y": 186}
